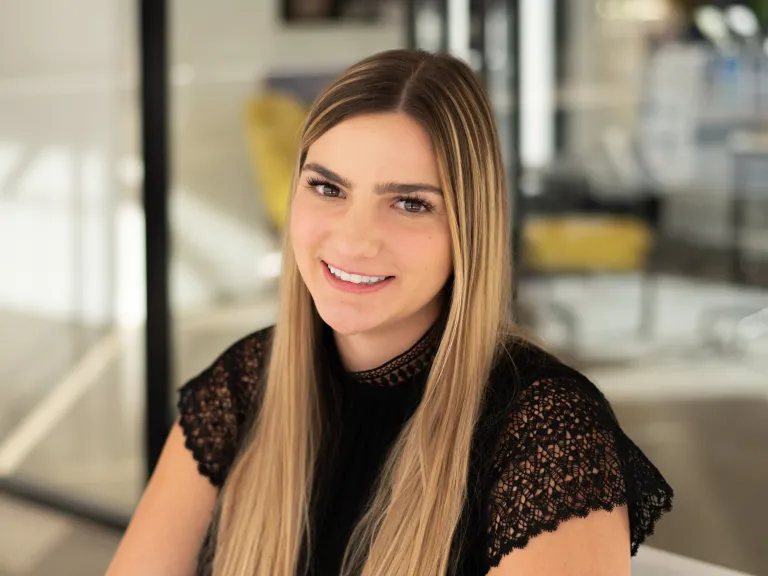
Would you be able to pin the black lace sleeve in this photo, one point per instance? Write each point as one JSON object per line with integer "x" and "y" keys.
{"x": 563, "y": 455}
{"x": 214, "y": 406}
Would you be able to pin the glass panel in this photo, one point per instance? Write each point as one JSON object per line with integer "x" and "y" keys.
{"x": 645, "y": 262}
{"x": 71, "y": 250}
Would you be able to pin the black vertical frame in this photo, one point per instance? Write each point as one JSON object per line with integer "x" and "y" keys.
{"x": 442, "y": 7}
{"x": 479, "y": 37}
{"x": 411, "y": 33}
{"x": 153, "y": 23}
{"x": 514, "y": 165}
{"x": 562, "y": 18}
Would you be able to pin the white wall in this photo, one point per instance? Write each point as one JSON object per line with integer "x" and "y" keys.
{"x": 251, "y": 33}
{"x": 56, "y": 37}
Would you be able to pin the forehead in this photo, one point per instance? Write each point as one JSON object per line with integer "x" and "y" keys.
{"x": 380, "y": 147}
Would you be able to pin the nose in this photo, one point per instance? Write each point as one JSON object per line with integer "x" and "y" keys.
{"x": 357, "y": 234}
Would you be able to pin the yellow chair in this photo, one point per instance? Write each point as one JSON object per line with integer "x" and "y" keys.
{"x": 586, "y": 244}
{"x": 273, "y": 124}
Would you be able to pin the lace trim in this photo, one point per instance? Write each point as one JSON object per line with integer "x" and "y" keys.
{"x": 214, "y": 406}
{"x": 643, "y": 517}
{"x": 407, "y": 365}
{"x": 562, "y": 456}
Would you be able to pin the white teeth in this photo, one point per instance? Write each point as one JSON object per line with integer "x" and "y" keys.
{"x": 355, "y": 278}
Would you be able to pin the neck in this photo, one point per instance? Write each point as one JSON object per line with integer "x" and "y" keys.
{"x": 369, "y": 350}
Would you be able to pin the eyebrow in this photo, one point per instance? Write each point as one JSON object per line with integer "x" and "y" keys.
{"x": 381, "y": 188}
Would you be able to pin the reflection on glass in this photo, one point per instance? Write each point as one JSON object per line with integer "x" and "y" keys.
{"x": 71, "y": 254}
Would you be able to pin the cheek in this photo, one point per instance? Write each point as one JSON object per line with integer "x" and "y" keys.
{"x": 426, "y": 254}
{"x": 307, "y": 230}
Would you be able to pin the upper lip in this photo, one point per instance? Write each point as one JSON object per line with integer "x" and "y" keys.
{"x": 357, "y": 273}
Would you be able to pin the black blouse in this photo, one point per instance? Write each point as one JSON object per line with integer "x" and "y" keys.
{"x": 547, "y": 448}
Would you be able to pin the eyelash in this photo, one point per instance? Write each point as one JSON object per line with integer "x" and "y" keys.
{"x": 418, "y": 199}
{"x": 315, "y": 183}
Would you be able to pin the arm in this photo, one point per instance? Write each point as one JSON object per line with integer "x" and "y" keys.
{"x": 597, "y": 545}
{"x": 169, "y": 526}
{"x": 170, "y": 522}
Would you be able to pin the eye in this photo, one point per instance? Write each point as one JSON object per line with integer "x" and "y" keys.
{"x": 324, "y": 188}
{"x": 414, "y": 205}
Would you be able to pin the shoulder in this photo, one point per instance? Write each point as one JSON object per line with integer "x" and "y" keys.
{"x": 556, "y": 451}
{"x": 216, "y": 405}
{"x": 528, "y": 378}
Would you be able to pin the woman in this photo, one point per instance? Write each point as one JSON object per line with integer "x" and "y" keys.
{"x": 392, "y": 423}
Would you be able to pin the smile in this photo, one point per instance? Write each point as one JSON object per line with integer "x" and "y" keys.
{"x": 355, "y": 278}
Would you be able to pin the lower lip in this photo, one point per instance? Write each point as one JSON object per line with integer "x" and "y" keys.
{"x": 351, "y": 287}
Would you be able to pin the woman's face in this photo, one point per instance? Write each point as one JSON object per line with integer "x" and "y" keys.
{"x": 369, "y": 227}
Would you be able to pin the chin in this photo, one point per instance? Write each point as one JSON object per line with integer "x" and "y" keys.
{"x": 348, "y": 322}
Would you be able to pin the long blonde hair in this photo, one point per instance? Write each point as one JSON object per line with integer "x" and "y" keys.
{"x": 408, "y": 528}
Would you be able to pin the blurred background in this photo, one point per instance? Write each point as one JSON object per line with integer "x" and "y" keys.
{"x": 145, "y": 157}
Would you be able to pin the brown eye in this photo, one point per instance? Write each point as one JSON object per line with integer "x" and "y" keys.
{"x": 325, "y": 189}
{"x": 413, "y": 205}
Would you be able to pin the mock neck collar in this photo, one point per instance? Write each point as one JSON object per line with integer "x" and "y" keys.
{"x": 404, "y": 367}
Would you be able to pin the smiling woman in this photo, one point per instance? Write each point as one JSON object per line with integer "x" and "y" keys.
{"x": 393, "y": 422}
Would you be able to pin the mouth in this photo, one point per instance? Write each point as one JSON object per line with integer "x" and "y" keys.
{"x": 355, "y": 278}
